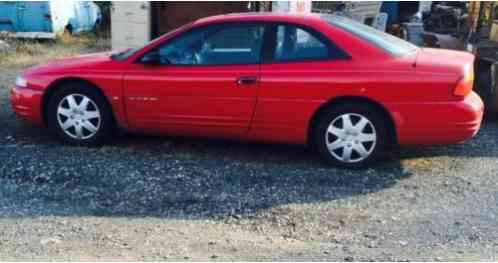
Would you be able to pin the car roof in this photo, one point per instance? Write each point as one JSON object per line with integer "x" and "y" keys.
{"x": 261, "y": 16}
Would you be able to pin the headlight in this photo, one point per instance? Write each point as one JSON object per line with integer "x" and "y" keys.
{"x": 21, "y": 82}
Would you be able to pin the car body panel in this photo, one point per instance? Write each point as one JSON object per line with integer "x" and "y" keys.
{"x": 415, "y": 90}
{"x": 190, "y": 100}
{"x": 97, "y": 69}
{"x": 26, "y": 104}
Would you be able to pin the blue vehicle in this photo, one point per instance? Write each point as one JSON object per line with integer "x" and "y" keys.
{"x": 51, "y": 17}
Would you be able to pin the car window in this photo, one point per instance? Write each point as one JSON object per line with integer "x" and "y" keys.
{"x": 294, "y": 43}
{"x": 215, "y": 45}
{"x": 123, "y": 55}
{"x": 389, "y": 43}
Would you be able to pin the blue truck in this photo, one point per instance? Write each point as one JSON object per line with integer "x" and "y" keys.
{"x": 48, "y": 18}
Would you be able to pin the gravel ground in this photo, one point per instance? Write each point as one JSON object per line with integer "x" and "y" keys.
{"x": 160, "y": 198}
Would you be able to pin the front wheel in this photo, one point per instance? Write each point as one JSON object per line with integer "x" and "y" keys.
{"x": 351, "y": 136}
{"x": 79, "y": 115}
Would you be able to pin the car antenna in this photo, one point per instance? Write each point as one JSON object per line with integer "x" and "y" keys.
{"x": 416, "y": 58}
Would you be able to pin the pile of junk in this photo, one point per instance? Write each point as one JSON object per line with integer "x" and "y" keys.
{"x": 429, "y": 24}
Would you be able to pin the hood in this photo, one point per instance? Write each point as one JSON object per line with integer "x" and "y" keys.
{"x": 443, "y": 61}
{"x": 83, "y": 62}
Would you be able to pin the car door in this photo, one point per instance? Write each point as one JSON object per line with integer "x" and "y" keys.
{"x": 302, "y": 67}
{"x": 205, "y": 82}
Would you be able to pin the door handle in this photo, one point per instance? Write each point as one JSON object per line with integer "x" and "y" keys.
{"x": 247, "y": 80}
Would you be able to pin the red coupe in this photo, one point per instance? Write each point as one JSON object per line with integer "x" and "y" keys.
{"x": 322, "y": 80}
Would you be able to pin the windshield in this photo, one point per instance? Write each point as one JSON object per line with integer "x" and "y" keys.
{"x": 123, "y": 55}
{"x": 129, "y": 52}
{"x": 393, "y": 45}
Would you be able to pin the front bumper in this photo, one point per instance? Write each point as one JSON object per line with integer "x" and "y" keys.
{"x": 438, "y": 122}
{"x": 26, "y": 103}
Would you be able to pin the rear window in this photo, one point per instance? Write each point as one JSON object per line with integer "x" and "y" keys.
{"x": 389, "y": 43}
{"x": 295, "y": 43}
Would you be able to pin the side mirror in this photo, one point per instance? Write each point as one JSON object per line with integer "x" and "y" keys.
{"x": 153, "y": 58}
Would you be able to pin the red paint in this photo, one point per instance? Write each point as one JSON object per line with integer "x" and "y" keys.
{"x": 416, "y": 90}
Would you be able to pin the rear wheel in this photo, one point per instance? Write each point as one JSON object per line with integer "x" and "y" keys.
{"x": 79, "y": 114}
{"x": 351, "y": 135}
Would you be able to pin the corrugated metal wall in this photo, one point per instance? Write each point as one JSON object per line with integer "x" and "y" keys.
{"x": 170, "y": 15}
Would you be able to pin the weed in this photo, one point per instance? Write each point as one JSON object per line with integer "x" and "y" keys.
{"x": 29, "y": 52}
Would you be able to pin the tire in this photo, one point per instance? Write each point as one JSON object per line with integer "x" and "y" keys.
{"x": 75, "y": 123}
{"x": 483, "y": 86}
{"x": 365, "y": 146}
{"x": 97, "y": 28}
{"x": 68, "y": 32}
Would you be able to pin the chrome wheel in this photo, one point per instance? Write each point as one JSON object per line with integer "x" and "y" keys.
{"x": 78, "y": 116}
{"x": 351, "y": 138}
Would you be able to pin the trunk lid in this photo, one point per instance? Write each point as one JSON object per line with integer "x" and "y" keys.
{"x": 456, "y": 67}
{"x": 444, "y": 61}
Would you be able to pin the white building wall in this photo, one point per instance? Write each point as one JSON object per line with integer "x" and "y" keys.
{"x": 130, "y": 24}
{"x": 362, "y": 10}
{"x": 292, "y": 6}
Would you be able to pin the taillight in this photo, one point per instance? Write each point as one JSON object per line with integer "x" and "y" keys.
{"x": 464, "y": 86}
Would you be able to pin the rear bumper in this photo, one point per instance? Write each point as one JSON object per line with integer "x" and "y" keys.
{"x": 26, "y": 103}
{"x": 438, "y": 122}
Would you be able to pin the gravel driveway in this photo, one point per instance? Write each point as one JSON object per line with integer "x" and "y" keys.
{"x": 160, "y": 198}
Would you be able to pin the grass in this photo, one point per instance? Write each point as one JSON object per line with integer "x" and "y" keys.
{"x": 29, "y": 52}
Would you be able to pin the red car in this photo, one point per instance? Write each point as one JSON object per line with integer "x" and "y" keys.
{"x": 313, "y": 79}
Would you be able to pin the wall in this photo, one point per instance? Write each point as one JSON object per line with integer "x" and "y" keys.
{"x": 130, "y": 24}
{"x": 170, "y": 15}
{"x": 292, "y": 6}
